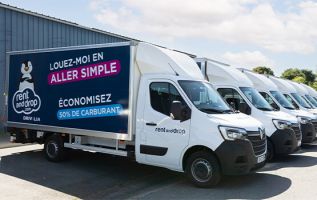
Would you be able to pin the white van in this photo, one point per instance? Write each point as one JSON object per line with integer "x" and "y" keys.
{"x": 301, "y": 90}
{"x": 291, "y": 94}
{"x": 239, "y": 92}
{"x": 312, "y": 92}
{"x": 130, "y": 99}
{"x": 277, "y": 100}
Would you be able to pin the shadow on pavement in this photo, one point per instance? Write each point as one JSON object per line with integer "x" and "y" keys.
{"x": 252, "y": 186}
{"x": 98, "y": 176}
{"x": 290, "y": 161}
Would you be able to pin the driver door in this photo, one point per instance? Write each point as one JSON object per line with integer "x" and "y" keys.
{"x": 165, "y": 137}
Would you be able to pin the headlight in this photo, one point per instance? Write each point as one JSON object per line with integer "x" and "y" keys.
{"x": 303, "y": 120}
{"x": 281, "y": 124}
{"x": 233, "y": 133}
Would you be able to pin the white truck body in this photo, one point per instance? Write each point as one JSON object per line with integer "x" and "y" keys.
{"x": 224, "y": 77}
{"x": 272, "y": 94}
{"x": 290, "y": 92}
{"x": 155, "y": 137}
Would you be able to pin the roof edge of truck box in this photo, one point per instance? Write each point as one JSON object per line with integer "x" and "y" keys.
{"x": 75, "y": 131}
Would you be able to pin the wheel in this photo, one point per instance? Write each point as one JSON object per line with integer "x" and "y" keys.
{"x": 203, "y": 169}
{"x": 270, "y": 151}
{"x": 54, "y": 148}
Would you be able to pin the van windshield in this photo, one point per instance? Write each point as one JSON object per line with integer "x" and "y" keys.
{"x": 256, "y": 99}
{"x": 282, "y": 100}
{"x": 311, "y": 100}
{"x": 300, "y": 100}
{"x": 204, "y": 97}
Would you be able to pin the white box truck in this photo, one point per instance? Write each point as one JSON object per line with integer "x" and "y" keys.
{"x": 239, "y": 92}
{"x": 130, "y": 99}
{"x": 303, "y": 92}
{"x": 292, "y": 95}
{"x": 312, "y": 92}
{"x": 277, "y": 100}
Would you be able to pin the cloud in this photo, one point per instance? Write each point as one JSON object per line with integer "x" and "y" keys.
{"x": 254, "y": 22}
{"x": 247, "y": 59}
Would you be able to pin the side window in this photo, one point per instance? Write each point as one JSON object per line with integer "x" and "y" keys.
{"x": 235, "y": 100}
{"x": 291, "y": 101}
{"x": 269, "y": 99}
{"x": 162, "y": 96}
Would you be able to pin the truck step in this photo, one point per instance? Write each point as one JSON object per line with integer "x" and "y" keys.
{"x": 96, "y": 149}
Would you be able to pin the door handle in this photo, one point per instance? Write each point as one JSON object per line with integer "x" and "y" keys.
{"x": 151, "y": 124}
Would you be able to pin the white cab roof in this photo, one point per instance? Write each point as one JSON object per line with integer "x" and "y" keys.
{"x": 261, "y": 82}
{"x": 222, "y": 74}
{"x": 283, "y": 85}
{"x": 299, "y": 88}
{"x": 152, "y": 59}
{"x": 311, "y": 90}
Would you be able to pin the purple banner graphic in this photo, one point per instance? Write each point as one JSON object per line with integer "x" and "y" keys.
{"x": 97, "y": 70}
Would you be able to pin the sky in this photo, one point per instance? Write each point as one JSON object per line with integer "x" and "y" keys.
{"x": 243, "y": 33}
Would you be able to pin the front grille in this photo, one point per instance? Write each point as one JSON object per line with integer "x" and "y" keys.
{"x": 258, "y": 143}
{"x": 315, "y": 124}
{"x": 296, "y": 129}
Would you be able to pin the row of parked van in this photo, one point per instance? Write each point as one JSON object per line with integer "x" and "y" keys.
{"x": 197, "y": 116}
{"x": 286, "y": 108}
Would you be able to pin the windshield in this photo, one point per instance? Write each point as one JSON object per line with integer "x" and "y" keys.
{"x": 256, "y": 99}
{"x": 204, "y": 97}
{"x": 311, "y": 100}
{"x": 282, "y": 100}
{"x": 300, "y": 100}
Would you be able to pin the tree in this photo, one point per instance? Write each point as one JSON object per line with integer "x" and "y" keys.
{"x": 309, "y": 76}
{"x": 299, "y": 79}
{"x": 314, "y": 85}
{"x": 292, "y": 73}
{"x": 263, "y": 70}
{"x": 303, "y": 76}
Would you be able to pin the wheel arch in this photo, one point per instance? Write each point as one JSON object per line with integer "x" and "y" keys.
{"x": 194, "y": 149}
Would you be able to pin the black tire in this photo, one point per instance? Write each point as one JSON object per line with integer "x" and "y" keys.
{"x": 54, "y": 148}
{"x": 203, "y": 169}
{"x": 270, "y": 151}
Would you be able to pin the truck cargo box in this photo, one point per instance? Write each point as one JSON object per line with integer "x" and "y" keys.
{"x": 81, "y": 90}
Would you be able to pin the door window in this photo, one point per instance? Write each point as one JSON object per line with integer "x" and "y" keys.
{"x": 269, "y": 99}
{"x": 162, "y": 95}
{"x": 291, "y": 101}
{"x": 235, "y": 100}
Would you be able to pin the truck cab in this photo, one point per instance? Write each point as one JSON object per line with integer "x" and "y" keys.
{"x": 239, "y": 92}
{"x": 303, "y": 92}
{"x": 277, "y": 100}
{"x": 292, "y": 95}
{"x": 312, "y": 92}
{"x": 183, "y": 124}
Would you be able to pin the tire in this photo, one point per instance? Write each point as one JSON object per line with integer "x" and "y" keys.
{"x": 270, "y": 151}
{"x": 54, "y": 148}
{"x": 203, "y": 169}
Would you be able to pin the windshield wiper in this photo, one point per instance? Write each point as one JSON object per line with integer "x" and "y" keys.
{"x": 265, "y": 109}
{"x": 212, "y": 110}
{"x": 290, "y": 108}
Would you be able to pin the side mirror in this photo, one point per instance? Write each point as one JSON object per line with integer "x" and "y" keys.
{"x": 176, "y": 110}
{"x": 274, "y": 106}
{"x": 179, "y": 111}
{"x": 248, "y": 110}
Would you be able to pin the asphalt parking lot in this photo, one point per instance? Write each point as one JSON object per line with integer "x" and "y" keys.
{"x": 25, "y": 174}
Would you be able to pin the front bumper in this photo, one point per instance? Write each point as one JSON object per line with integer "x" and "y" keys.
{"x": 237, "y": 157}
{"x": 308, "y": 133}
{"x": 284, "y": 141}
